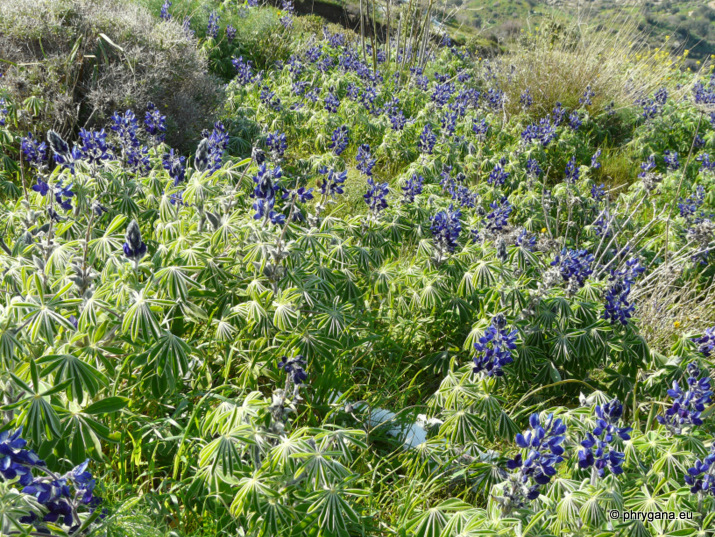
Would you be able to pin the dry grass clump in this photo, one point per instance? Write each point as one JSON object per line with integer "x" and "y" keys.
{"x": 83, "y": 59}
{"x": 670, "y": 303}
{"x": 557, "y": 63}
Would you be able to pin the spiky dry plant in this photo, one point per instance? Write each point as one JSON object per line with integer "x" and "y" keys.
{"x": 556, "y": 63}
{"x": 670, "y": 303}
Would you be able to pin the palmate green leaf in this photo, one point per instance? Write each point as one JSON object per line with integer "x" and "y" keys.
{"x": 275, "y": 516}
{"x": 285, "y": 316}
{"x": 431, "y": 522}
{"x": 671, "y": 464}
{"x": 176, "y": 282}
{"x": 139, "y": 320}
{"x": 334, "y": 513}
{"x": 9, "y": 347}
{"x": 168, "y": 360}
{"x": 40, "y": 419}
{"x": 106, "y": 245}
{"x": 108, "y": 405}
{"x": 84, "y": 377}
{"x": 253, "y": 495}
{"x": 484, "y": 274}
{"x": 81, "y": 433}
{"x": 224, "y": 455}
{"x": 461, "y": 427}
{"x": 320, "y": 467}
{"x": 592, "y": 512}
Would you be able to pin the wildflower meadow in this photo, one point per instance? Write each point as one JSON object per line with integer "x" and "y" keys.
{"x": 373, "y": 281}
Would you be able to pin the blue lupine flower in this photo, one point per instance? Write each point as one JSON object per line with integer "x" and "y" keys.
{"x": 244, "y": 70}
{"x": 525, "y": 240}
{"x": 587, "y": 96}
{"x": 155, "y": 123}
{"x": 364, "y": 159}
{"x": 701, "y": 476}
{"x": 543, "y": 132}
{"x": 375, "y": 196}
{"x": 465, "y": 197}
{"x": 287, "y": 19}
{"x": 602, "y": 225}
{"x": 495, "y": 99}
{"x": 125, "y": 126}
{"x": 707, "y": 165}
{"x": 647, "y": 166}
{"x": 276, "y": 143}
{"x": 480, "y": 128}
{"x": 397, "y": 119}
{"x": 313, "y": 54}
{"x": 16, "y": 462}
{"x": 442, "y": 92}
{"x": 413, "y": 187}
{"x": 427, "y": 140}
{"x": 558, "y": 112}
{"x": 265, "y": 194}
{"x": 494, "y": 348}
{"x": 63, "y": 194}
{"x": 165, "y": 15}
{"x": 186, "y": 27}
{"x": 572, "y": 171}
{"x": 498, "y": 175}
{"x": 41, "y": 187}
{"x": 138, "y": 159}
{"x": 212, "y": 28}
{"x": 617, "y": 307}
{"x": 650, "y": 108}
{"x": 134, "y": 247}
{"x": 575, "y": 120}
{"x": 525, "y": 99}
{"x": 598, "y": 192}
{"x": 544, "y": 450}
{"x": 594, "y": 160}
{"x": 216, "y": 145}
{"x": 574, "y": 265}
{"x": 704, "y": 95}
{"x": 56, "y": 495}
{"x": 302, "y": 194}
{"x": 230, "y": 33}
{"x": 175, "y": 165}
{"x": 35, "y": 152}
{"x": 597, "y": 449}
{"x": 62, "y": 154}
{"x": 94, "y": 146}
{"x": 498, "y": 217}
{"x": 687, "y": 406}
{"x": 449, "y": 123}
{"x": 270, "y": 99}
{"x": 689, "y": 207}
{"x": 295, "y": 368}
{"x": 421, "y": 81}
{"x": 661, "y": 96}
{"x": 331, "y": 185}
{"x": 446, "y": 228}
{"x": 340, "y": 140}
{"x": 671, "y": 160}
{"x": 706, "y": 343}
{"x": 533, "y": 169}
{"x": 332, "y": 103}
{"x": 3, "y": 112}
